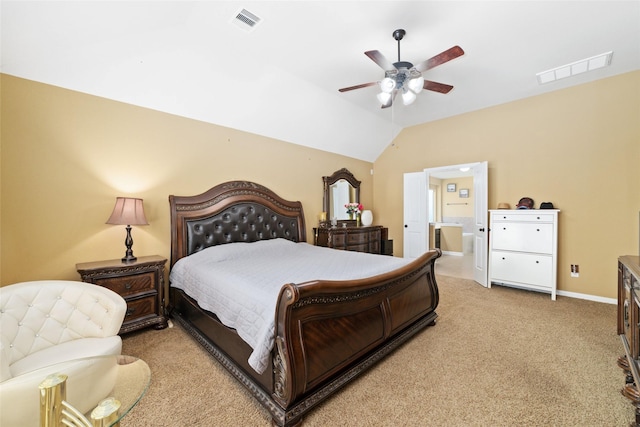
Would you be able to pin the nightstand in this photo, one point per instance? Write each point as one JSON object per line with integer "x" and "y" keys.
{"x": 140, "y": 283}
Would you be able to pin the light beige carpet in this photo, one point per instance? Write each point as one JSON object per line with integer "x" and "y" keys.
{"x": 496, "y": 357}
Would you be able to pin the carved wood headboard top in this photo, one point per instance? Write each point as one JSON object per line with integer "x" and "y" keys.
{"x": 234, "y": 211}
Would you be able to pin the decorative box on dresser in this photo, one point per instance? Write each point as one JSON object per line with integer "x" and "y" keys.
{"x": 629, "y": 328}
{"x": 140, "y": 283}
{"x": 359, "y": 239}
{"x": 523, "y": 249}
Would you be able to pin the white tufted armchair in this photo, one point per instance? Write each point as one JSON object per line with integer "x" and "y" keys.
{"x": 47, "y": 322}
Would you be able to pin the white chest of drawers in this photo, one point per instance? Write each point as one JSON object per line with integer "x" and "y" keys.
{"x": 523, "y": 249}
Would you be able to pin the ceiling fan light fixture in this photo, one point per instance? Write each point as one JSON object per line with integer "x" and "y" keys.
{"x": 387, "y": 85}
{"x": 384, "y": 98}
{"x": 408, "y": 97}
{"x": 416, "y": 84}
{"x": 404, "y": 77}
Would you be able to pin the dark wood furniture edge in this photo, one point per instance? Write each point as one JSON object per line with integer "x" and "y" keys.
{"x": 628, "y": 328}
{"x": 294, "y": 415}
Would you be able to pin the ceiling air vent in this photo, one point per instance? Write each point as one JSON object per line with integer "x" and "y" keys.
{"x": 575, "y": 68}
{"x": 246, "y": 20}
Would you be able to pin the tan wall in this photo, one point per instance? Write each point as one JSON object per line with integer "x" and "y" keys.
{"x": 452, "y": 204}
{"x": 66, "y": 156}
{"x": 578, "y": 148}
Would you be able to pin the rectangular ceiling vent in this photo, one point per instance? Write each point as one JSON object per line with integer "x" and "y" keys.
{"x": 575, "y": 68}
{"x": 246, "y": 20}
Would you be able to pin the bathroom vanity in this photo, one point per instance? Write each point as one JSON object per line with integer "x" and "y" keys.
{"x": 450, "y": 238}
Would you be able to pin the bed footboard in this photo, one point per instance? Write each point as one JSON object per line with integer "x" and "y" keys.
{"x": 328, "y": 332}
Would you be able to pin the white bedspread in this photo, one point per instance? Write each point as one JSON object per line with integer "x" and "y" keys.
{"x": 240, "y": 282}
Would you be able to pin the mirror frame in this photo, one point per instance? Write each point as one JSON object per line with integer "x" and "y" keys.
{"x": 332, "y": 179}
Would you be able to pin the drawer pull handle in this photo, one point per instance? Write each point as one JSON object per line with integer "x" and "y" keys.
{"x": 537, "y": 229}
{"x": 537, "y": 262}
{"x": 128, "y": 285}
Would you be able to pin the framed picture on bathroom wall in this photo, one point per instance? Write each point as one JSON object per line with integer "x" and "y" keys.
{"x": 451, "y": 188}
{"x": 464, "y": 193}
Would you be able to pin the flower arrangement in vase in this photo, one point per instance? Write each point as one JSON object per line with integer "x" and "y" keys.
{"x": 353, "y": 209}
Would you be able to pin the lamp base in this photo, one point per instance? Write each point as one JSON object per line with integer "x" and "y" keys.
{"x": 128, "y": 242}
{"x": 128, "y": 259}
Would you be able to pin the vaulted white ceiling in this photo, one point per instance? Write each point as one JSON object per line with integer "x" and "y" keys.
{"x": 281, "y": 78}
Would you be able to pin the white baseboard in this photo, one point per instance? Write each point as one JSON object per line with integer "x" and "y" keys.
{"x": 587, "y": 297}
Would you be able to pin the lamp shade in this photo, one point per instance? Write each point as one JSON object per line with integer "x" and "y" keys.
{"x": 384, "y": 97}
{"x": 416, "y": 84}
{"x": 128, "y": 211}
{"x": 408, "y": 97}
{"x": 387, "y": 85}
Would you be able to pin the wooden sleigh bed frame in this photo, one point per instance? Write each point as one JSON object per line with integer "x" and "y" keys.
{"x": 327, "y": 332}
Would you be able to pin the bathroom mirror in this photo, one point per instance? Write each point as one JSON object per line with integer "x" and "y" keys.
{"x": 339, "y": 188}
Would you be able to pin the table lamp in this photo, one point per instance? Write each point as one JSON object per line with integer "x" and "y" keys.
{"x": 128, "y": 211}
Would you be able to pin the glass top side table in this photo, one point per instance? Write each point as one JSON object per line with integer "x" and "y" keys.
{"x": 92, "y": 392}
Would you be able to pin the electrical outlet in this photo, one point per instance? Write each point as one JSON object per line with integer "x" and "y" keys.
{"x": 575, "y": 270}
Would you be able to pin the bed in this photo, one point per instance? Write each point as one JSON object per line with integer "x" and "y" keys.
{"x": 324, "y": 332}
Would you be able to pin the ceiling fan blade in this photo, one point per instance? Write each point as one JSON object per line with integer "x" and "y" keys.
{"x": 437, "y": 87}
{"x": 345, "y": 89}
{"x": 440, "y": 59}
{"x": 380, "y": 59}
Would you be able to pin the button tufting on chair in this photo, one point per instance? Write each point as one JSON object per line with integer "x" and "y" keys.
{"x": 39, "y": 327}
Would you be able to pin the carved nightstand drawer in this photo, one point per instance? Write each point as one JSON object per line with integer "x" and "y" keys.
{"x": 140, "y": 308}
{"x": 129, "y": 285}
{"x": 140, "y": 283}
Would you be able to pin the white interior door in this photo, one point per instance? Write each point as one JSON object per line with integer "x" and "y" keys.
{"x": 416, "y": 221}
{"x": 481, "y": 226}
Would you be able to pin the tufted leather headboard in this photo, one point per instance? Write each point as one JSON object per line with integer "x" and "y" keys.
{"x": 235, "y": 211}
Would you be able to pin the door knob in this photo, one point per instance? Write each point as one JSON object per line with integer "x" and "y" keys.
{"x": 482, "y": 229}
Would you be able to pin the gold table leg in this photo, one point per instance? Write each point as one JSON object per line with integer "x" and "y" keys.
{"x": 54, "y": 410}
{"x": 106, "y": 413}
{"x": 53, "y": 391}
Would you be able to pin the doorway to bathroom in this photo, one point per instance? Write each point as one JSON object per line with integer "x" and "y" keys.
{"x": 446, "y": 207}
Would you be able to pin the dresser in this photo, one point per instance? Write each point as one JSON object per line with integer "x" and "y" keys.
{"x": 140, "y": 283}
{"x": 629, "y": 328}
{"x": 523, "y": 249}
{"x": 359, "y": 239}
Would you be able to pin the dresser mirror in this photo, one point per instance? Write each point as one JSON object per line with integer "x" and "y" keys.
{"x": 340, "y": 188}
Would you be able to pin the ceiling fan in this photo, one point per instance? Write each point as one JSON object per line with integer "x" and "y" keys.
{"x": 405, "y": 78}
